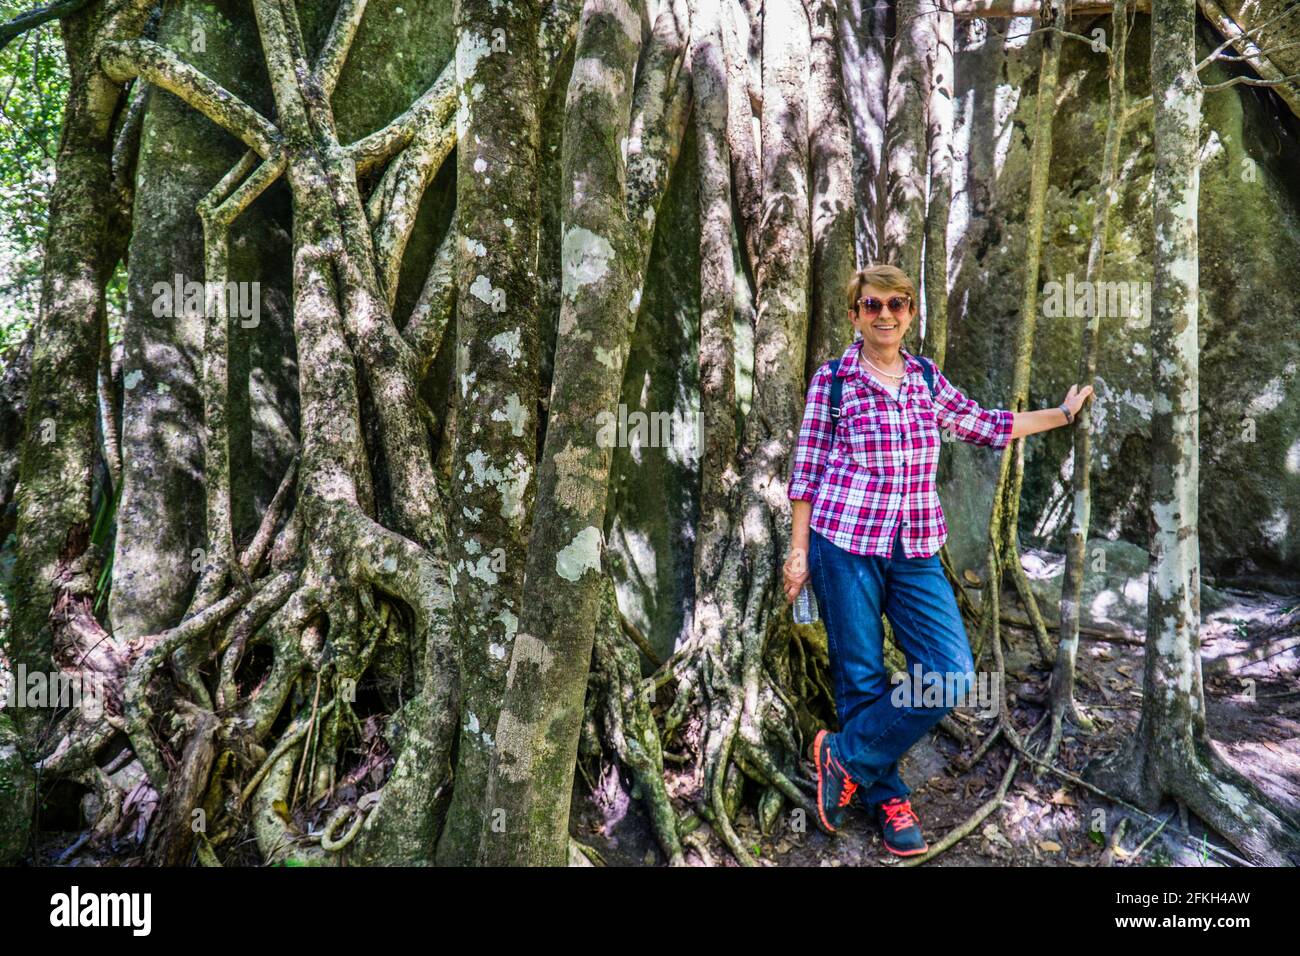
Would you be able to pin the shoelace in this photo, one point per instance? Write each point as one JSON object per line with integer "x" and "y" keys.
{"x": 900, "y": 815}
{"x": 848, "y": 787}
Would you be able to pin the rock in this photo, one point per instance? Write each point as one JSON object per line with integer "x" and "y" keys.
{"x": 923, "y": 762}
{"x": 1114, "y": 587}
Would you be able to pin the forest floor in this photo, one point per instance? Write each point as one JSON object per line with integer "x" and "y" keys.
{"x": 1251, "y": 669}
{"x": 1250, "y": 664}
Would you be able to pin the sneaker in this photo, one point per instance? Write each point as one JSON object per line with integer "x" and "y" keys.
{"x": 835, "y": 788}
{"x": 900, "y": 828}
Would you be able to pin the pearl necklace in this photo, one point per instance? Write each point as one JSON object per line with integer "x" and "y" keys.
{"x": 882, "y": 371}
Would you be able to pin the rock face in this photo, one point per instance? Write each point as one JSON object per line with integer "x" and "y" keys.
{"x": 1249, "y": 243}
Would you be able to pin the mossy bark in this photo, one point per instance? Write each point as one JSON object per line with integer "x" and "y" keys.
{"x": 497, "y": 367}
{"x": 537, "y": 733}
{"x": 58, "y": 449}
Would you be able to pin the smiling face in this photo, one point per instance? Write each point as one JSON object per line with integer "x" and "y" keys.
{"x": 885, "y": 330}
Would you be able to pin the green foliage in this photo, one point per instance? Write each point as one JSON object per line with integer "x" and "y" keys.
{"x": 33, "y": 85}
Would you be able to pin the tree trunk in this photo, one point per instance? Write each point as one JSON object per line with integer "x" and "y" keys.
{"x": 938, "y": 135}
{"x": 603, "y": 252}
{"x": 831, "y": 202}
{"x": 865, "y": 63}
{"x": 710, "y": 78}
{"x": 54, "y": 566}
{"x": 904, "y": 225}
{"x": 497, "y": 366}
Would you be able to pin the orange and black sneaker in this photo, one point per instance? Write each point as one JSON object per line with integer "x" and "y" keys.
{"x": 900, "y": 828}
{"x": 835, "y": 787}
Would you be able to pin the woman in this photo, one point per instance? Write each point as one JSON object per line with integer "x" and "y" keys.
{"x": 867, "y": 530}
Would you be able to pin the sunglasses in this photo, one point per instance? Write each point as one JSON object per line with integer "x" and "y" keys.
{"x": 896, "y": 303}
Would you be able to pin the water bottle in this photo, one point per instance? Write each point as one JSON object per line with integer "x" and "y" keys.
{"x": 805, "y": 606}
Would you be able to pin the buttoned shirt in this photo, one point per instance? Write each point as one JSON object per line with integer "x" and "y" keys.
{"x": 876, "y": 478}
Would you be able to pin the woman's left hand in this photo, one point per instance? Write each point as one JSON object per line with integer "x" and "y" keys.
{"x": 1075, "y": 398}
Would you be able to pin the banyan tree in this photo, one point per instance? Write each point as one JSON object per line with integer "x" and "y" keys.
{"x": 438, "y": 447}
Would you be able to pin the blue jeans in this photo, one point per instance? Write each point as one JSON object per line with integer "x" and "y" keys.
{"x": 852, "y": 591}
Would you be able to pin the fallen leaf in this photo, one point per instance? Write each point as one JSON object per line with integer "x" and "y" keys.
{"x": 994, "y": 835}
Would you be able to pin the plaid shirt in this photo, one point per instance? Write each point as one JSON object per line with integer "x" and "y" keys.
{"x": 881, "y": 469}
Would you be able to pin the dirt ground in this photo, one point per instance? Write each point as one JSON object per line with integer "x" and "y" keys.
{"x": 1251, "y": 669}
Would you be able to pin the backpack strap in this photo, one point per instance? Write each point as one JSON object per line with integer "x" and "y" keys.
{"x": 927, "y": 370}
{"x": 837, "y": 395}
{"x": 837, "y": 387}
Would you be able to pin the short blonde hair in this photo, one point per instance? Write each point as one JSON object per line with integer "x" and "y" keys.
{"x": 889, "y": 278}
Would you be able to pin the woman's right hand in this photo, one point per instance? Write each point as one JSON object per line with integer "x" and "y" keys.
{"x": 796, "y": 573}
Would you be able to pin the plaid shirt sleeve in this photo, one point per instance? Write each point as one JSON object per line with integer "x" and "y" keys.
{"x": 814, "y": 439}
{"x": 970, "y": 422}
